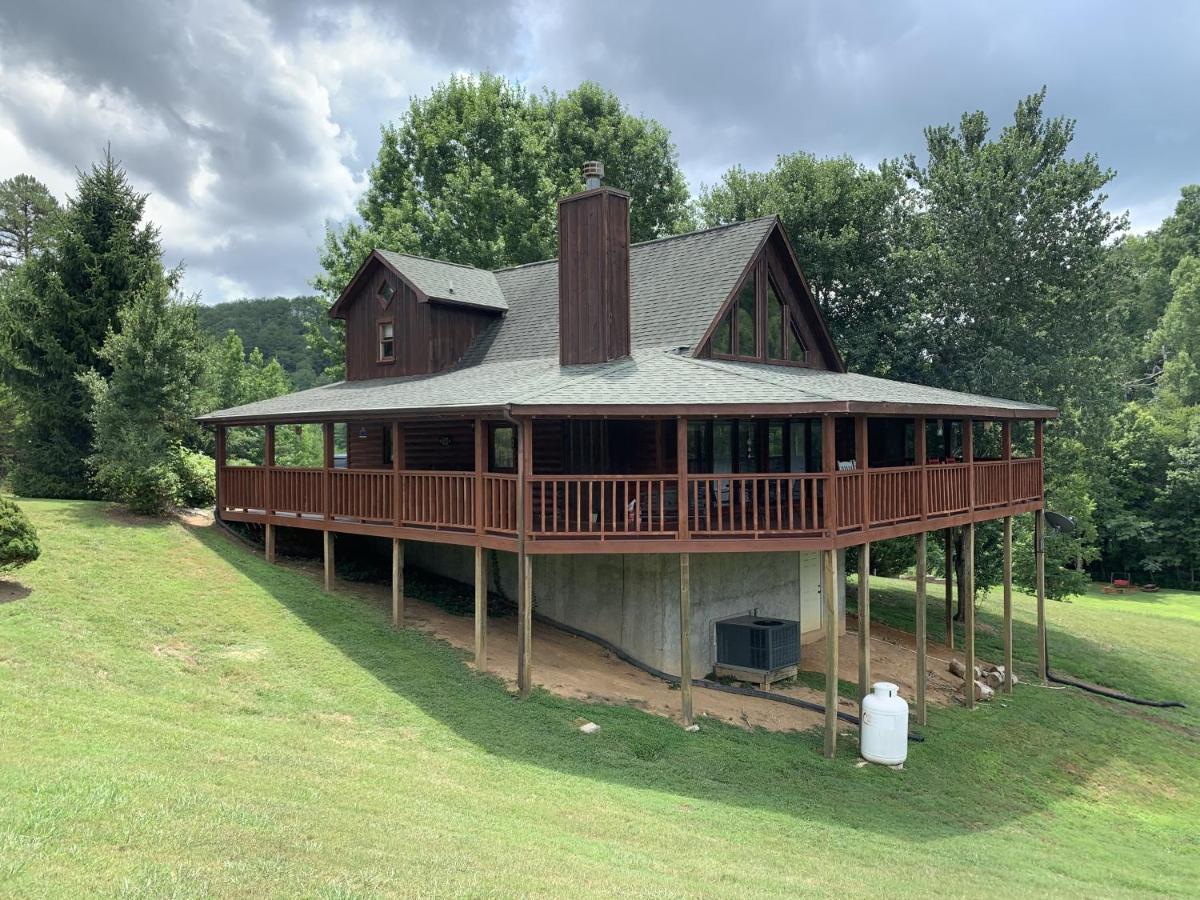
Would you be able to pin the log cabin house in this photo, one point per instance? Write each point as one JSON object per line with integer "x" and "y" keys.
{"x": 652, "y": 437}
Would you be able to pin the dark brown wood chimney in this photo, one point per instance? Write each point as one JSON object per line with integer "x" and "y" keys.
{"x": 593, "y": 273}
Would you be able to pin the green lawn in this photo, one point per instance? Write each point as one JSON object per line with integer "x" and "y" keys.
{"x": 178, "y": 718}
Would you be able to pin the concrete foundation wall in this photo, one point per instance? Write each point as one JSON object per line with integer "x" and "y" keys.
{"x": 632, "y": 600}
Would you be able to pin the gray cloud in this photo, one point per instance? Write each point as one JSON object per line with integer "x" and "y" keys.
{"x": 251, "y": 122}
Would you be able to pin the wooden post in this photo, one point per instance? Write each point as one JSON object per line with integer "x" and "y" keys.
{"x": 950, "y": 588}
{"x": 328, "y": 476}
{"x": 397, "y": 582}
{"x": 1039, "y": 561}
{"x": 829, "y": 590}
{"x": 524, "y": 561}
{"x": 921, "y": 452}
{"x": 968, "y": 426}
{"x": 525, "y": 624}
{"x": 1008, "y": 622}
{"x": 397, "y": 468}
{"x": 829, "y": 469}
{"x": 685, "y": 637}
{"x": 327, "y": 537}
{"x": 862, "y": 461}
{"x": 969, "y": 612}
{"x": 864, "y": 623}
{"x": 220, "y": 465}
{"x": 1006, "y": 455}
{"x": 268, "y": 499}
{"x": 481, "y": 611}
{"x": 480, "y": 468}
{"x": 920, "y": 629}
{"x": 681, "y": 469}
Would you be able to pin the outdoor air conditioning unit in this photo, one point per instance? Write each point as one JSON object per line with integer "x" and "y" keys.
{"x": 758, "y": 644}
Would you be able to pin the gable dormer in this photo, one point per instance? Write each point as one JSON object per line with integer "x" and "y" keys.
{"x": 407, "y": 315}
{"x": 771, "y": 316}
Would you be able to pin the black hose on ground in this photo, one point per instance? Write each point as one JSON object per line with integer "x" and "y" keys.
{"x": 701, "y": 682}
{"x": 1105, "y": 692}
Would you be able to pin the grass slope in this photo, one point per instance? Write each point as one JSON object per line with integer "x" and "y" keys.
{"x": 178, "y": 718}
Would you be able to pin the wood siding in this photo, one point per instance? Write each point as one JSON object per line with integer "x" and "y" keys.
{"x": 429, "y": 336}
{"x": 593, "y": 277}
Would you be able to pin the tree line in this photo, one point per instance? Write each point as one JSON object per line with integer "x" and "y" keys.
{"x": 987, "y": 262}
{"x": 103, "y": 364}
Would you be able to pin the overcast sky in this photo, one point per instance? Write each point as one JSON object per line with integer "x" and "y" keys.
{"x": 252, "y": 123}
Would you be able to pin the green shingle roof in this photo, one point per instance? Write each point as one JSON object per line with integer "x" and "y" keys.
{"x": 449, "y": 281}
{"x": 677, "y": 286}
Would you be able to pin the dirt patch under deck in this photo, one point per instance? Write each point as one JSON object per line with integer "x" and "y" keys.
{"x": 574, "y": 667}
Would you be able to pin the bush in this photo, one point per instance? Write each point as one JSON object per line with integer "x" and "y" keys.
{"x": 18, "y": 538}
{"x": 197, "y": 474}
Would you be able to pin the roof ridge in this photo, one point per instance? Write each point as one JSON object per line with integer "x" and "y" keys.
{"x": 443, "y": 262}
{"x": 657, "y": 240}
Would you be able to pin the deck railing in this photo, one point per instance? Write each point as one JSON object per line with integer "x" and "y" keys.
{"x": 602, "y": 506}
{"x": 622, "y": 506}
{"x": 754, "y": 505}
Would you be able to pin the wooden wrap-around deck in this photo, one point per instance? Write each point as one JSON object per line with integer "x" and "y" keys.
{"x": 574, "y": 513}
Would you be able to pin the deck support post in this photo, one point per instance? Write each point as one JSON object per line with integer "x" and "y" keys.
{"x": 829, "y": 591}
{"x": 969, "y": 613}
{"x": 481, "y": 610}
{"x": 950, "y": 569}
{"x": 864, "y": 623}
{"x": 1008, "y": 610}
{"x": 525, "y": 624}
{"x": 397, "y": 583}
{"x": 269, "y": 540}
{"x": 920, "y": 628}
{"x": 685, "y": 637}
{"x": 327, "y": 541}
{"x": 1039, "y": 563}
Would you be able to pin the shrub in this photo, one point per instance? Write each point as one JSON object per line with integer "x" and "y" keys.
{"x": 18, "y": 538}
{"x": 197, "y": 474}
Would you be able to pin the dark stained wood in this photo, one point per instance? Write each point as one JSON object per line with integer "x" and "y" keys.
{"x": 428, "y": 336}
{"x": 593, "y": 276}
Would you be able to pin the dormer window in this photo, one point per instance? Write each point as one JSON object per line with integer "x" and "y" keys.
{"x": 759, "y": 323}
{"x": 386, "y": 292}
{"x": 387, "y": 342}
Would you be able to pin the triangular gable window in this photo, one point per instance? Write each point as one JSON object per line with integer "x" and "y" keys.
{"x": 760, "y": 324}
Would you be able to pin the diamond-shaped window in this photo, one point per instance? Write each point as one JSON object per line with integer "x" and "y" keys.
{"x": 386, "y": 292}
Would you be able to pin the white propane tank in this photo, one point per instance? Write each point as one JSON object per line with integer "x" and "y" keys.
{"x": 884, "y": 725}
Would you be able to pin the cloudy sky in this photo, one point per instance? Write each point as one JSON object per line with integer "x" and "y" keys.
{"x": 252, "y": 122}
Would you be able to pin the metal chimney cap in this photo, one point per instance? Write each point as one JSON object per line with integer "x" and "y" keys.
{"x": 593, "y": 171}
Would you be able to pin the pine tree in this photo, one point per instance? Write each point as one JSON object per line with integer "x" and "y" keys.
{"x": 142, "y": 413}
{"x": 27, "y": 210}
{"x": 54, "y": 317}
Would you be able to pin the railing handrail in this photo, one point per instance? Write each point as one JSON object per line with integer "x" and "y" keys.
{"x": 757, "y": 503}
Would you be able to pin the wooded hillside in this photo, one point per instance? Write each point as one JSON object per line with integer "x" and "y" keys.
{"x": 276, "y": 326}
